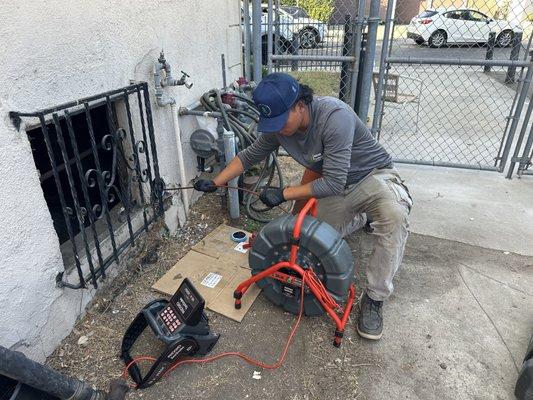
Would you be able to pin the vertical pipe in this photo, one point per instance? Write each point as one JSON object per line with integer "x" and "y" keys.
{"x": 181, "y": 163}
{"x": 520, "y": 139}
{"x": 269, "y": 36}
{"x": 373, "y": 21}
{"x": 57, "y": 179}
{"x": 389, "y": 20}
{"x": 256, "y": 40}
{"x": 489, "y": 55}
{"x": 233, "y": 195}
{"x": 358, "y": 37}
{"x": 247, "y": 38}
{"x": 516, "y": 118}
{"x": 526, "y": 155}
{"x": 515, "y": 54}
{"x": 518, "y": 91}
{"x": 223, "y": 67}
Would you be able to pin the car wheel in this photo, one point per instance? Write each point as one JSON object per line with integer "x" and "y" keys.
{"x": 505, "y": 39}
{"x": 438, "y": 39}
{"x": 419, "y": 41}
{"x": 309, "y": 38}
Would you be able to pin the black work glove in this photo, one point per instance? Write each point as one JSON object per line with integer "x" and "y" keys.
{"x": 272, "y": 196}
{"x": 205, "y": 185}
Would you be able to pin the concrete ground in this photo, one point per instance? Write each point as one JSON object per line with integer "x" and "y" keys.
{"x": 455, "y": 328}
{"x": 460, "y": 317}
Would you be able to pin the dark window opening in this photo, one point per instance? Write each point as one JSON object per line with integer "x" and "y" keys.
{"x": 100, "y": 125}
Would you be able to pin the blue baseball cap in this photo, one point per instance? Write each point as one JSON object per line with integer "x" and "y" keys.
{"x": 274, "y": 97}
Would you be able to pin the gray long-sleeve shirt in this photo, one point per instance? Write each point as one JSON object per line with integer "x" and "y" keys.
{"x": 336, "y": 144}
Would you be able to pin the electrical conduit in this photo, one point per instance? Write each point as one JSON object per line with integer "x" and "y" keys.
{"x": 233, "y": 196}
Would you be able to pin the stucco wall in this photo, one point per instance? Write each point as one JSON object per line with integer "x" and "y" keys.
{"x": 55, "y": 51}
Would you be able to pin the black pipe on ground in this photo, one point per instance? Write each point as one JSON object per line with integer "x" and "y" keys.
{"x": 17, "y": 366}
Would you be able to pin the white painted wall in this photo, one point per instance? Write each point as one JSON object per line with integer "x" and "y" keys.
{"x": 55, "y": 51}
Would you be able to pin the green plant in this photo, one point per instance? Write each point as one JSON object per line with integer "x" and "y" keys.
{"x": 317, "y": 9}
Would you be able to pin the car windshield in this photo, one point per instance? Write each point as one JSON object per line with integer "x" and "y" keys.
{"x": 295, "y": 12}
{"x": 427, "y": 14}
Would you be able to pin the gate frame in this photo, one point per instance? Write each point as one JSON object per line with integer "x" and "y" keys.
{"x": 386, "y": 61}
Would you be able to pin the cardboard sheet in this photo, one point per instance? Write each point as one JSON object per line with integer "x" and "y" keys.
{"x": 215, "y": 268}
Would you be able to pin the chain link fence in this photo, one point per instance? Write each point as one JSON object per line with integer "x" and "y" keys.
{"x": 446, "y": 79}
{"x": 450, "y": 90}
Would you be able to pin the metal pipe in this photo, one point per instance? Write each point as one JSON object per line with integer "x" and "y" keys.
{"x": 269, "y": 36}
{"x": 519, "y": 141}
{"x": 16, "y": 365}
{"x": 303, "y": 57}
{"x": 444, "y": 164}
{"x": 247, "y": 38}
{"x": 525, "y": 161}
{"x": 378, "y": 110}
{"x": 516, "y": 118}
{"x": 517, "y": 92}
{"x": 188, "y": 111}
{"x": 233, "y": 195}
{"x": 370, "y": 53}
{"x": 256, "y": 40}
{"x": 455, "y": 61}
{"x": 359, "y": 24}
{"x": 223, "y": 66}
{"x": 181, "y": 163}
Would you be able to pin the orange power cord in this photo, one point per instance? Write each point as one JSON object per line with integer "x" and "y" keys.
{"x": 242, "y": 356}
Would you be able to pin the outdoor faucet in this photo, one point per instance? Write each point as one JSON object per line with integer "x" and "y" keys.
{"x": 162, "y": 79}
{"x": 183, "y": 80}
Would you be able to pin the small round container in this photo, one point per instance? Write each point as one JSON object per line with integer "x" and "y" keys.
{"x": 239, "y": 236}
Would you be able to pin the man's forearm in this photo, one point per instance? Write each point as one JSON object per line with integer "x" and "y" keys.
{"x": 302, "y": 192}
{"x": 234, "y": 169}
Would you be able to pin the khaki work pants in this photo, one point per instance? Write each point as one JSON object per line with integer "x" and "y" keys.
{"x": 387, "y": 203}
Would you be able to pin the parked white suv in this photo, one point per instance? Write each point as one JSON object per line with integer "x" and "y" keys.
{"x": 459, "y": 25}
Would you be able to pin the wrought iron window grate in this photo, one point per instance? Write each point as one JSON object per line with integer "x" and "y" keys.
{"x": 100, "y": 176}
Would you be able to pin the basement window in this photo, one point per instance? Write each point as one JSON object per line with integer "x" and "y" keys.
{"x": 100, "y": 122}
{"x": 98, "y": 168}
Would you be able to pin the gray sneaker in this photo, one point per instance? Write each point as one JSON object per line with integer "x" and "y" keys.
{"x": 370, "y": 324}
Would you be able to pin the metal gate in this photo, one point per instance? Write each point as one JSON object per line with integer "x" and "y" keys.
{"x": 318, "y": 42}
{"x": 452, "y": 81}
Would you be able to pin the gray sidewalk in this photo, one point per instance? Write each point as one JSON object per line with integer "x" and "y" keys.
{"x": 455, "y": 328}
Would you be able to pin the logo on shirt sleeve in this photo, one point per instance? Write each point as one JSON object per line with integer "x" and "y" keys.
{"x": 317, "y": 157}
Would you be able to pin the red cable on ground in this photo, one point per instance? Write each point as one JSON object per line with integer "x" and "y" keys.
{"x": 242, "y": 356}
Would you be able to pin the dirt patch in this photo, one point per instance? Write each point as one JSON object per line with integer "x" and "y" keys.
{"x": 313, "y": 367}
{"x": 91, "y": 351}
